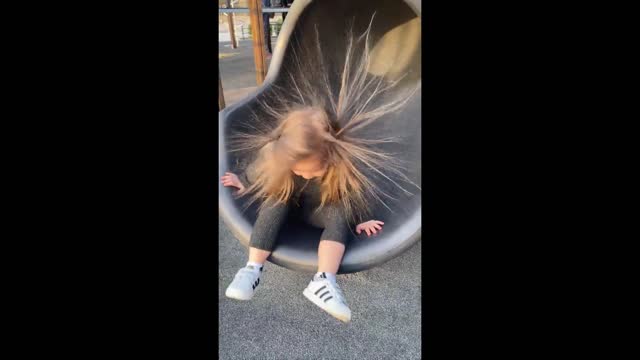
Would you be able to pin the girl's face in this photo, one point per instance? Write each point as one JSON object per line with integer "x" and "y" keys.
{"x": 309, "y": 168}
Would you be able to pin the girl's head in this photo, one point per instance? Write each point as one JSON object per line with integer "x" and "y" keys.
{"x": 303, "y": 141}
{"x": 305, "y": 144}
{"x": 302, "y": 145}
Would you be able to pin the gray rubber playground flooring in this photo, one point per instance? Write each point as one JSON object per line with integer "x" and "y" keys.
{"x": 237, "y": 68}
{"x": 280, "y": 323}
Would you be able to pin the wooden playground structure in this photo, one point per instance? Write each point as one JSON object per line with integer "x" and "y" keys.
{"x": 255, "y": 11}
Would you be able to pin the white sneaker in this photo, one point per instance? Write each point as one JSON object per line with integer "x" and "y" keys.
{"x": 329, "y": 298}
{"x": 244, "y": 284}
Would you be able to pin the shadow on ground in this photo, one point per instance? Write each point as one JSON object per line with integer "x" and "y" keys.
{"x": 280, "y": 323}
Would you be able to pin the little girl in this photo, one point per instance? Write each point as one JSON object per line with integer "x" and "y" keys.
{"x": 314, "y": 161}
{"x": 300, "y": 172}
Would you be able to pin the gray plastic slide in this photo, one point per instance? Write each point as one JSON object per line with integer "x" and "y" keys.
{"x": 396, "y": 50}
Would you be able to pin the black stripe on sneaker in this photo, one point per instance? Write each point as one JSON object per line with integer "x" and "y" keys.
{"x": 328, "y": 297}
{"x": 324, "y": 293}
{"x": 324, "y": 286}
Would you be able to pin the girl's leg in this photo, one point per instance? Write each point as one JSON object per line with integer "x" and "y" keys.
{"x": 323, "y": 290}
{"x": 265, "y": 231}
{"x": 263, "y": 238}
{"x": 258, "y": 256}
{"x": 333, "y": 239}
{"x": 329, "y": 256}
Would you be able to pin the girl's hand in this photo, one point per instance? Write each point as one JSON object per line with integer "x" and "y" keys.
{"x": 231, "y": 179}
{"x": 371, "y": 226}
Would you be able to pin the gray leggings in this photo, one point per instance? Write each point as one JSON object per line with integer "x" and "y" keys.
{"x": 271, "y": 218}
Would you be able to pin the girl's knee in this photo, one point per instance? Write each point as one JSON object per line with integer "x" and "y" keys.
{"x": 332, "y": 242}
{"x": 272, "y": 209}
{"x": 337, "y": 231}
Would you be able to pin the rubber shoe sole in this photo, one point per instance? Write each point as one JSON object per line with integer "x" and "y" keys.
{"x": 322, "y": 305}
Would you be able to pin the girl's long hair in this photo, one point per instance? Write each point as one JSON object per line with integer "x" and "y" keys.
{"x": 316, "y": 120}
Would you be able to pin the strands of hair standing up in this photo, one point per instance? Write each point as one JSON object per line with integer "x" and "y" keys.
{"x": 320, "y": 109}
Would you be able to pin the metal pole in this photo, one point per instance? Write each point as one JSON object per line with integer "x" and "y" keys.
{"x": 257, "y": 34}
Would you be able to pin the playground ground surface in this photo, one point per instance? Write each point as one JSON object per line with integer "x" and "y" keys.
{"x": 237, "y": 70}
{"x": 280, "y": 323}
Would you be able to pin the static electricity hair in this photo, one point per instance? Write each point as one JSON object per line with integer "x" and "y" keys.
{"x": 318, "y": 122}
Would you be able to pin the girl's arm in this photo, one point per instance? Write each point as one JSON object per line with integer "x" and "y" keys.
{"x": 371, "y": 226}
